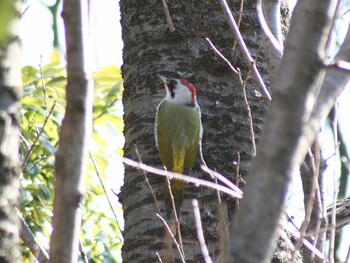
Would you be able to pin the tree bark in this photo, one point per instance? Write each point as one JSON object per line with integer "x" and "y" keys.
{"x": 150, "y": 47}
{"x": 74, "y": 135}
{"x": 283, "y": 143}
{"x": 10, "y": 94}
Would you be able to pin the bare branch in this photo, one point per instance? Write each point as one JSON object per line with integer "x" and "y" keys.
{"x": 26, "y": 158}
{"x": 173, "y": 237}
{"x": 177, "y": 221}
{"x": 105, "y": 192}
{"x": 200, "y": 235}
{"x": 243, "y": 84}
{"x": 168, "y": 17}
{"x": 222, "y": 57}
{"x": 29, "y": 240}
{"x": 43, "y": 84}
{"x": 341, "y": 65}
{"x": 239, "y": 20}
{"x": 75, "y": 131}
{"x": 272, "y": 35}
{"x": 147, "y": 181}
{"x": 334, "y": 82}
{"x": 332, "y": 221}
{"x": 221, "y": 178}
{"x": 310, "y": 177}
{"x": 247, "y": 56}
{"x": 82, "y": 253}
{"x": 265, "y": 28}
{"x": 282, "y": 145}
{"x": 342, "y": 208}
{"x": 182, "y": 177}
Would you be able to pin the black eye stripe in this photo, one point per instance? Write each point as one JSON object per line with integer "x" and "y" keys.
{"x": 173, "y": 83}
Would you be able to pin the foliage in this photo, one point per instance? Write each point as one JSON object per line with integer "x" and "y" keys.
{"x": 42, "y": 113}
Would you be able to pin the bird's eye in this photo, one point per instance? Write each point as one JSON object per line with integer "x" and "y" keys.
{"x": 173, "y": 83}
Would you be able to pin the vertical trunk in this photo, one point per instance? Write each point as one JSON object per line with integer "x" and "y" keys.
{"x": 74, "y": 135}
{"x": 284, "y": 142}
{"x": 10, "y": 93}
{"x": 150, "y": 47}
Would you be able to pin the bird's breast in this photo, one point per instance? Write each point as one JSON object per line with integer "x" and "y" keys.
{"x": 179, "y": 124}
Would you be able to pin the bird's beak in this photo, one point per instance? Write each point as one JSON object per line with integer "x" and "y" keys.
{"x": 164, "y": 79}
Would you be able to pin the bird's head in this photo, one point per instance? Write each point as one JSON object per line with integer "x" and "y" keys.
{"x": 179, "y": 91}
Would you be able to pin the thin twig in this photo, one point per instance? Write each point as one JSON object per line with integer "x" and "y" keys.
{"x": 181, "y": 177}
{"x": 159, "y": 258}
{"x": 265, "y": 28}
{"x": 104, "y": 190}
{"x": 205, "y": 165}
{"x": 234, "y": 70}
{"x": 29, "y": 240}
{"x": 222, "y": 178}
{"x": 82, "y": 253}
{"x": 234, "y": 46}
{"x": 168, "y": 17}
{"x": 335, "y": 188}
{"x": 316, "y": 161}
{"x": 340, "y": 224}
{"x": 224, "y": 239}
{"x": 250, "y": 118}
{"x": 237, "y": 175}
{"x": 243, "y": 84}
{"x": 147, "y": 181}
{"x": 218, "y": 192}
{"x": 200, "y": 235}
{"x": 348, "y": 255}
{"x": 333, "y": 29}
{"x": 25, "y": 10}
{"x": 42, "y": 157}
{"x": 247, "y": 56}
{"x": 179, "y": 235}
{"x": 168, "y": 184}
{"x": 172, "y": 236}
{"x": 26, "y": 158}
{"x": 339, "y": 65}
{"x": 43, "y": 84}
{"x": 221, "y": 56}
{"x": 304, "y": 241}
{"x": 309, "y": 205}
{"x": 177, "y": 221}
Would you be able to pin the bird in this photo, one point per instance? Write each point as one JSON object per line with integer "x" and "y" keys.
{"x": 178, "y": 134}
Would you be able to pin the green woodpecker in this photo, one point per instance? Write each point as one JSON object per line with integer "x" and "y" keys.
{"x": 178, "y": 132}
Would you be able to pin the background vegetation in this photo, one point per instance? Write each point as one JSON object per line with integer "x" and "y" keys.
{"x": 43, "y": 109}
{"x": 43, "y": 106}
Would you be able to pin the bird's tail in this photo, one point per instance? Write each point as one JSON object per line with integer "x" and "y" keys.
{"x": 177, "y": 190}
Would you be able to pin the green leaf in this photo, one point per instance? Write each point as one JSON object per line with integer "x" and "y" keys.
{"x": 29, "y": 75}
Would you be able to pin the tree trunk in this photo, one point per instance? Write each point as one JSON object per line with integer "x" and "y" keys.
{"x": 74, "y": 136}
{"x": 150, "y": 47}
{"x": 10, "y": 94}
{"x": 284, "y": 142}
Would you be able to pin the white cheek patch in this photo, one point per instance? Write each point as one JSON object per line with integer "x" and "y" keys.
{"x": 182, "y": 95}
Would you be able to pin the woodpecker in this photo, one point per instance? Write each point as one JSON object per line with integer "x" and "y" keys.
{"x": 178, "y": 132}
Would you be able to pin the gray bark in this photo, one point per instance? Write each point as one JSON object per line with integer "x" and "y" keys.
{"x": 74, "y": 135}
{"x": 150, "y": 47}
{"x": 10, "y": 94}
{"x": 283, "y": 144}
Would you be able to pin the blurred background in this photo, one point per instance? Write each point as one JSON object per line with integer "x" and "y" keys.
{"x": 43, "y": 43}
